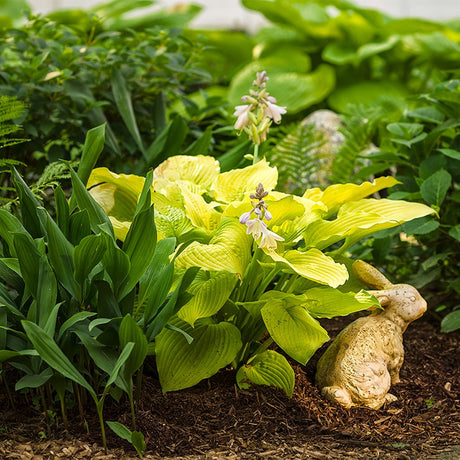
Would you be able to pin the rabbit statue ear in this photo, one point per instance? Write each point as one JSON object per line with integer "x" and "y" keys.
{"x": 370, "y": 276}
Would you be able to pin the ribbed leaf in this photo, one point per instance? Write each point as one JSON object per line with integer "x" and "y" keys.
{"x": 329, "y": 302}
{"x": 210, "y": 291}
{"x": 74, "y": 319}
{"x": 200, "y": 170}
{"x": 234, "y": 184}
{"x": 53, "y": 355}
{"x": 293, "y": 329}
{"x": 335, "y": 195}
{"x": 228, "y": 250}
{"x": 314, "y": 265}
{"x": 267, "y": 368}
{"x": 182, "y": 365}
{"x": 29, "y": 260}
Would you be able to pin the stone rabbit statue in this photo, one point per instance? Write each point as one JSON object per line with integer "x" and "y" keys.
{"x": 364, "y": 360}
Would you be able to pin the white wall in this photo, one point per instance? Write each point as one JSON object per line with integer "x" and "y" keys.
{"x": 230, "y": 13}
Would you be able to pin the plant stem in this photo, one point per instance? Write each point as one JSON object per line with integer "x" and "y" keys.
{"x": 8, "y": 392}
{"x": 256, "y": 154}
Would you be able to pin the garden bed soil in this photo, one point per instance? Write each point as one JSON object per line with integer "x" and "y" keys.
{"x": 217, "y": 420}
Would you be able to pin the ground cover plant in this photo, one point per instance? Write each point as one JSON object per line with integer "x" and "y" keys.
{"x": 193, "y": 257}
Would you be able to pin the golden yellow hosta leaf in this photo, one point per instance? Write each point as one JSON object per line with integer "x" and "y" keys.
{"x": 357, "y": 219}
{"x": 200, "y": 213}
{"x": 314, "y": 265}
{"x": 128, "y": 182}
{"x": 229, "y": 250}
{"x": 201, "y": 170}
{"x": 234, "y": 184}
{"x": 336, "y": 195}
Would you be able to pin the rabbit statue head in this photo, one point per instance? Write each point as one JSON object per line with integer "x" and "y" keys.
{"x": 363, "y": 361}
{"x": 402, "y": 302}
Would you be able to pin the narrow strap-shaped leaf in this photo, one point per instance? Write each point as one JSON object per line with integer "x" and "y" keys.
{"x": 130, "y": 332}
{"x": 85, "y": 201}
{"x": 9, "y": 225}
{"x": 62, "y": 211}
{"x": 124, "y": 355}
{"x": 123, "y": 100}
{"x": 94, "y": 144}
{"x": 53, "y": 355}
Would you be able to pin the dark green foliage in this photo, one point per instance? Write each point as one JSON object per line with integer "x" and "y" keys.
{"x": 74, "y": 79}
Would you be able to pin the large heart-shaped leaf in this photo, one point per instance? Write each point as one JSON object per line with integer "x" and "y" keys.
{"x": 210, "y": 291}
{"x": 182, "y": 365}
{"x": 228, "y": 250}
{"x": 314, "y": 265}
{"x": 293, "y": 329}
{"x": 267, "y": 368}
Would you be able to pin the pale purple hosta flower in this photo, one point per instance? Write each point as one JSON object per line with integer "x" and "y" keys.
{"x": 260, "y": 110}
{"x": 257, "y": 227}
{"x": 274, "y": 111}
{"x": 269, "y": 240}
{"x": 242, "y": 112}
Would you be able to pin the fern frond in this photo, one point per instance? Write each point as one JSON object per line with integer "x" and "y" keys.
{"x": 298, "y": 157}
{"x": 358, "y": 131}
{"x": 53, "y": 174}
{"x": 10, "y": 109}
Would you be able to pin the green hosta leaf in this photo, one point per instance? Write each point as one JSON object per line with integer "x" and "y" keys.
{"x": 235, "y": 184}
{"x": 200, "y": 170}
{"x": 228, "y": 250}
{"x": 267, "y": 368}
{"x": 117, "y": 264}
{"x": 367, "y": 93}
{"x": 182, "y": 365}
{"x": 130, "y": 332}
{"x": 293, "y": 329}
{"x": 53, "y": 355}
{"x": 210, "y": 291}
{"x": 314, "y": 265}
{"x": 434, "y": 188}
{"x": 329, "y": 303}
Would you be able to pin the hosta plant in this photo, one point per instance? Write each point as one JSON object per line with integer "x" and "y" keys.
{"x": 270, "y": 263}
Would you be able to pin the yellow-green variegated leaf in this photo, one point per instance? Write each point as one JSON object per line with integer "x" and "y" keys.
{"x": 267, "y": 368}
{"x": 182, "y": 364}
{"x": 201, "y": 170}
{"x": 200, "y": 213}
{"x": 336, "y": 195}
{"x": 326, "y": 302}
{"x": 358, "y": 219}
{"x": 210, "y": 291}
{"x": 314, "y": 265}
{"x": 170, "y": 217}
{"x": 228, "y": 250}
{"x": 234, "y": 184}
{"x": 293, "y": 329}
{"x": 128, "y": 182}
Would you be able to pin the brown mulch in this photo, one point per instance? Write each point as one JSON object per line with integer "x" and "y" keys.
{"x": 217, "y": 420}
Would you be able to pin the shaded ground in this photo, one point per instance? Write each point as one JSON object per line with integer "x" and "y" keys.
{"x": 217, "y": 420}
